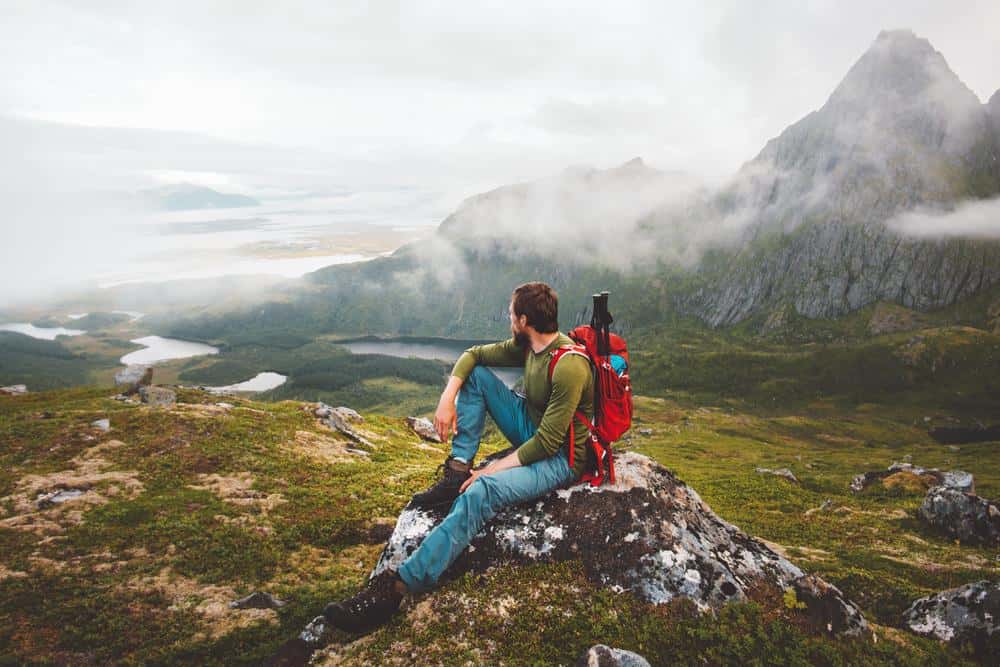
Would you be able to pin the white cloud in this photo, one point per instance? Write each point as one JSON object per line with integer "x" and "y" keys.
{"x": 972, "y": 220}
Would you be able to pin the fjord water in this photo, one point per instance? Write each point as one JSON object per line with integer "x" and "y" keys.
{"x": 42, "y": 333}
{"x": 441, "y": 349}
{"x": 261, "y": 382}
{"x": 158, "y": 348}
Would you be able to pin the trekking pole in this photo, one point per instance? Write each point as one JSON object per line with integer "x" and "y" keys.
{"x": 606, "y": 326}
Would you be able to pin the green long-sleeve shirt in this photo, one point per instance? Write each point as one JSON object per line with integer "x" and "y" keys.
{"x": 550, "y": 404}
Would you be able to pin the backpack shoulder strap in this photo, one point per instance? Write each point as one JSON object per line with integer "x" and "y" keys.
{"x": 562, "y": 351}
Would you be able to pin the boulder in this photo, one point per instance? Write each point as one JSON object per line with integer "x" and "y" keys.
{"x": 649, "y": 534}
{"x": 13, "y": 390}
{"x": 969, "y": 613}
{"x": 340, "y": 419}
{"x": 424, "y": 428}
{"x": 964, "y": 516}
{"x": 780, "y": 472}
{"x": 134, "y": 376}
{"x": 925, "y": 478}
{"x": 157, "y": 396}
{"x": 342, "y": 413}
{"x": 600, "y": 655}
{"x": 102, "y": 424}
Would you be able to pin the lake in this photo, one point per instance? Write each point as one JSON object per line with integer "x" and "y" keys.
{"x": 163, "y": 349}
{"x": 260, "y": 382}
{"x": 43, "y": 333}
{"x": 441, "y": 349}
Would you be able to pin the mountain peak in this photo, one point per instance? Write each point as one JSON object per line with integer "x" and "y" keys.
{"x": 899, "y": 66}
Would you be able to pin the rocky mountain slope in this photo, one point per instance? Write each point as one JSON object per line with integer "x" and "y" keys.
{"x": 802, "y": 226}
{"x": 901, "y": 131}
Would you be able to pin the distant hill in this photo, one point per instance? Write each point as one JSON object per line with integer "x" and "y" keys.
{"x": 799, "y": 230}
{"x": 186, "y": 197}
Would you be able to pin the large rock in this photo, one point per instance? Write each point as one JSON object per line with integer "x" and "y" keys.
{"x": 134, "y": 376}
{"x": 969, "y": 613}
{"x": 13, "y": 390}
{"x": 964, "y": 516}
{"x": 157, "y": 396}
{"x": 649, "y": 534}
{"x": 958, "y": 480}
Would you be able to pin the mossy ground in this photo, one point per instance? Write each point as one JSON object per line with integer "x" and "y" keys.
{"x": 238, "y": 499}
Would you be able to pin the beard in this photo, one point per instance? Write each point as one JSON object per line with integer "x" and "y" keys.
{"x": 521, "y": 339}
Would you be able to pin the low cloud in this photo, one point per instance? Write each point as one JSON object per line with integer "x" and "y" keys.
{"x": 973, "y": 220}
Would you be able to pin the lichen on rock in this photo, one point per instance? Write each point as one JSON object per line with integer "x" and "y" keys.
{"x": 966, "y": 613}
{"x": 649, "y": 534}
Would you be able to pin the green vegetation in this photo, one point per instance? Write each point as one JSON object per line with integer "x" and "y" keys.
{"x": 46, "y": 364}
{"x": 192, "y": 507}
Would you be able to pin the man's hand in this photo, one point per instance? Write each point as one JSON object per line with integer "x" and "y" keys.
{"x": 473, "y": 476}
{"x": 446, "y": 417}
{"x": 445, "y": 420}
{"x": 498, "y": 465}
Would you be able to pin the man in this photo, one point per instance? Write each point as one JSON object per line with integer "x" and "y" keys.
{"x": 537, "y": 424}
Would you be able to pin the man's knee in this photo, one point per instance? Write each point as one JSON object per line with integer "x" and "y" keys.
{"x": 481, "y": 496}
{"x": 478, "y": 375}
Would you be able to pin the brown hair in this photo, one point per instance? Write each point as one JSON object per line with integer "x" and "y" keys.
{"x": 539, "y": 303}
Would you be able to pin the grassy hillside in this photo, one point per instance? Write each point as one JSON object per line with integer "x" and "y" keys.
{"x": 189, "y": 508}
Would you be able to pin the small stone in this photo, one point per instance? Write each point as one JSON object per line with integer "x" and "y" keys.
{"x": 57, "y": 497}
{"x": 103, "y": 424}
{"x": 600, "y": 655}
{"x": 257, "y": 600}
{"x": 645, "y": 431}
{"x": 346, "y": 414}
{"x": 226, "y": 406}
{"x": 780, "y": 472}
{"x": 424, "y": 428}
{"x": 157, "y": 396}
{"x": 313, "y": 633}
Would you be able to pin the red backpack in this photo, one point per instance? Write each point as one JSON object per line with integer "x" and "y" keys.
{"x": 613, "y": 389}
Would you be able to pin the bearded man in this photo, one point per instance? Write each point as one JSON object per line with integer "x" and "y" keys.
{"x": 536, "y": 424}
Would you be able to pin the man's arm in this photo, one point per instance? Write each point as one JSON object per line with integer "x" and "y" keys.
{"x": 504, "y": 353}
{"x": 445, "y": 417}
{"x": 569, "y": 379}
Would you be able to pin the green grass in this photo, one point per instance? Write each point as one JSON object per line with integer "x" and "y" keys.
{"x": 317, "y": 543}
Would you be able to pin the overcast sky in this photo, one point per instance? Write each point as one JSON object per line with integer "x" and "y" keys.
{"x": 437, "y": 101}
{"x": 505, "y": 89}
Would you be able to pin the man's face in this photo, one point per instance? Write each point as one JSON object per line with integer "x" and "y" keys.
{"x": 517, "y": 327}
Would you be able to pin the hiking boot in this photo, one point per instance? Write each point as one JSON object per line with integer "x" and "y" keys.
{"x": 446, "y": 489}
{"x": 373, "y": 606}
